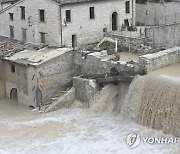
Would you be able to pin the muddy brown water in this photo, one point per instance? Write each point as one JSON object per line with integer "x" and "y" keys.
{"x": 75, "y": 130}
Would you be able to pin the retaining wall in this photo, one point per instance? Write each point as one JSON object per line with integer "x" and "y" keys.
{"x": 160, "y": 59}
{"x": 164, "y": 35}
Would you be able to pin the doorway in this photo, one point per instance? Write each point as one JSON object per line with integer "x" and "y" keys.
{"x": 13, "y": 94}
{"x": 38, "y": 97}
{"x": 114, "y": 21}
{"x": 24, "y": 35}
{"x": 126, "y": 22}
{"x": 74, "y": 41}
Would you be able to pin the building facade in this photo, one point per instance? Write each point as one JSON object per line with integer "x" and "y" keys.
{"x": 33, "y": 77}
{"x": 64, "y": 22}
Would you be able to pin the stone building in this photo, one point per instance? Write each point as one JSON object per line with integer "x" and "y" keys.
{"x": 157, "y": 13}
{"x": 33, "y": 77}
{"x": 65, "y": 22}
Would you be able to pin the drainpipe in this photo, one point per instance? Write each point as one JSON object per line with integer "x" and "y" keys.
{"x": 133, "y": 13}
{"x": 61, "y": 26}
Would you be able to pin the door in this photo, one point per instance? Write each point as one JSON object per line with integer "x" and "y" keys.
{"x": 24, "y": 35}
{"x": 13, "y": 94}
{"x": 74, "y": 41}
{"x": 114, "y": 21}
{"x": 11, "y": 31}
{"x": 38, "y": 97}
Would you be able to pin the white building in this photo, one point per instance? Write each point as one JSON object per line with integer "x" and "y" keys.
{"x": 65, "y": 22}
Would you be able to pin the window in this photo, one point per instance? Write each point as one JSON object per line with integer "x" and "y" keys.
{"x": 104, "y": 30}
{"x": 11, "y": 16}
{"x": 43, "y": 37}
{"x": 91, "y": 12}
{"x": 127, "y": 7}
{"x": 13, "y": 69}
{"x": 68, "y": 15}
{"x": 11, "y": 31}
{"x": 41, "y": 13}
{"x": 22, "y": 12}
{"x": 24, "y": 35}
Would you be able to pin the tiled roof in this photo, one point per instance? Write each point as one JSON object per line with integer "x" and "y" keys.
{"x": 74, "y": 1}
{"x": 58, "y": 1}
{"x": 6, "y": 1}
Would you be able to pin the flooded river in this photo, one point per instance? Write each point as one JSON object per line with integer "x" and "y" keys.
{"x": 73, "y": 131}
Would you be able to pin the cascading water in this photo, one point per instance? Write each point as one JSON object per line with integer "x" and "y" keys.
{"x": 155, "y": 102}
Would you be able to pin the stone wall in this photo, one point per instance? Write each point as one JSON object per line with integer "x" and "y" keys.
{"x": 55, "y": 75}
{"x": 1, "y": 69}
{"x": 132, "y": 44}
{"x": 17, "y": 80}
{"x": 157, "y": 13}
{"x": 2, "y": 89}
{"x": 160, "y": 59}
{"x": 164, "y": 35}
{"x": 92, "y": 66}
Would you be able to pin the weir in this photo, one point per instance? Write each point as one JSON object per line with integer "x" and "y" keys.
{"x": 154, "y": 102}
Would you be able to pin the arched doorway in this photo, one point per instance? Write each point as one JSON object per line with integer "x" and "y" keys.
{"x": 114, "y": 21}
{"x": 13, "y": 94}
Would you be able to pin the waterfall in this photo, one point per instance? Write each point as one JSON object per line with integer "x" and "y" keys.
{"x": 105, "y": 100}
{"x": 154, "y": 102}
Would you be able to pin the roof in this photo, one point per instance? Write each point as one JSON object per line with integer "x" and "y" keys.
{"x": 35, "y": 58}
{"x": 60, "y": 2}
{"x": 63, "y": 2}
{"x": 8, "y": 1}
{"x": 12, "y": 46}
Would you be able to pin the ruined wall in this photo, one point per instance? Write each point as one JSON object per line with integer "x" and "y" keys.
{"x": 157, "y": 13}
{"x": 132, "y": 44}
{"x": 91, "y": 30}
{"x": 164, "y": 36}
{"x": 32, "y": 23}
{"x": 94, "y": 66}
{"x": 160, "y": 59}
{"x": 55, "y": 75}
{"x": 85, "y": 89}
